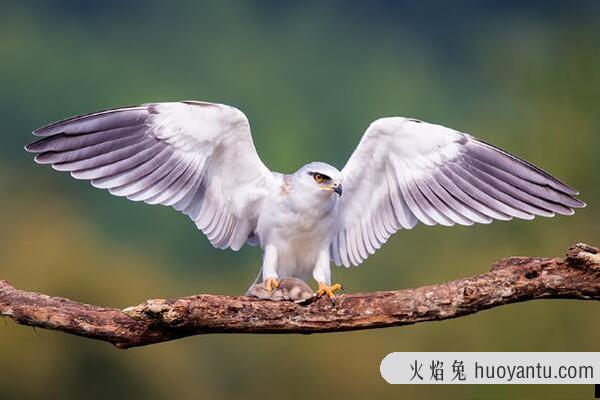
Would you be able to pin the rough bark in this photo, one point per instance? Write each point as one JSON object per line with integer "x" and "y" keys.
{"x": 511, "y": 280}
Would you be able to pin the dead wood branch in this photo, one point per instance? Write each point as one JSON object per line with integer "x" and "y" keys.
{"x": 511, "y": 280}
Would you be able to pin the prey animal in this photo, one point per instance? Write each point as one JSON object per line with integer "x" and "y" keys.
{"x": 199, "y": 158}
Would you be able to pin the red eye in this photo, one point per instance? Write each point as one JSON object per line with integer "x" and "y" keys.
{"x": 319, "y": 178}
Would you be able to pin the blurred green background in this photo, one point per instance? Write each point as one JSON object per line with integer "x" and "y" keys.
{"x": 310, "y": 76}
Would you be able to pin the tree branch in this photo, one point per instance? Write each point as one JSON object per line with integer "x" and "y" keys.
{"x": 511, "y": 280}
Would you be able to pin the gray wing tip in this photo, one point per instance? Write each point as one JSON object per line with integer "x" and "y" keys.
{"x": 566, "y": 188}
{"x": 39, "y": 159}
{"x": 50, "y": 129}
{"x": 30, "y": 147}
{"x": 550, "y": 179}
{"x": 42, "y": 131}
{"x": 580, "y": 204}
{"x": 37, "y": 146}
{"x": 575, "y": 202}
{"x": 57, "y": 127}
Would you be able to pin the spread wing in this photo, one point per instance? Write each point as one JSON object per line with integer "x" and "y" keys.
{"x": 196, "y": 157}
{"x": 405, "y": 171}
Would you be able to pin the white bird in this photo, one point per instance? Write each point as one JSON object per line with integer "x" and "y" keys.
{"x": 199, "y": 158}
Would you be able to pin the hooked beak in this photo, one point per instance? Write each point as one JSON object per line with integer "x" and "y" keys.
{"x": 338, "y": 189}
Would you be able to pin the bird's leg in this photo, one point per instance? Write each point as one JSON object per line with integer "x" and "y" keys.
{"x": 269, "y": 268}
{"x": 322, "y": 274}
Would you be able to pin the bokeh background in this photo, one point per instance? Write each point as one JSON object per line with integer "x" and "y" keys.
{"x": 311, "y": 76}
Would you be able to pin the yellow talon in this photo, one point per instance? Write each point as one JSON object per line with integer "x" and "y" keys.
{"x": 271, "y": 283}
{"x": 328, "y": 290}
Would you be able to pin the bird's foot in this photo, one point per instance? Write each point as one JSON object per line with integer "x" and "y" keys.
{"x": 328, "y": 290}
{"x": 271, "y": 283}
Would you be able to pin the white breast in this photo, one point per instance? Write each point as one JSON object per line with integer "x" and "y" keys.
{"x": 299, "y": 229}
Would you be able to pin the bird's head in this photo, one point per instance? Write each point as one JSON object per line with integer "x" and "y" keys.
{"x": 320, "y": 177}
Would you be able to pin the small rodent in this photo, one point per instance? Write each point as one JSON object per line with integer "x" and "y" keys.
{"x": 293, "y": 289}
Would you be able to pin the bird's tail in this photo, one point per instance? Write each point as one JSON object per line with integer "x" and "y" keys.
{"x": 257, "y": 280}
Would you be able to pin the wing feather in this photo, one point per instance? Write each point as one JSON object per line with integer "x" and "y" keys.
{"x": 453, "y": 216}
{"x": 405, "y": 171}
{"x": 62, "y": 142}
{"x": 123, "y": 185}
{"x": 197, "y": 157}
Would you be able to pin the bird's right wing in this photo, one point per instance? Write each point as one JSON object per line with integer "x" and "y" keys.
{"x": 197, "y": 157}
{"x": 406, "y": 171}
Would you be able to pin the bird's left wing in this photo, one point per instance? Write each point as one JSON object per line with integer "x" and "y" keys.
{"x": 197, "y": 157}
{"x": 406, "y": 171}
